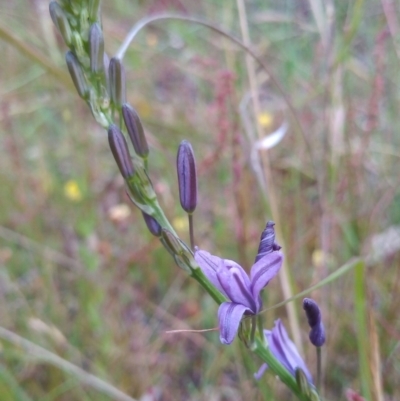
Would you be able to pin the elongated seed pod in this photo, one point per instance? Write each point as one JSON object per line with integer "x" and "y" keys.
{"x": 120, "y": 151}
{"x": 77, "y": 74}
{"x": 152, "y": 224}
{"x": 267, "y": 241}
{"x": 116, "y": 73}
{"x": 187, "y": 176}
{"x": 135, "y": 130}
{"x": 96, "y": 48}
{"x": 313, "y": 313}
{"x": 60, "y": 20}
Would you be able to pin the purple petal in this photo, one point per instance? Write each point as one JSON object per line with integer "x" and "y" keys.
{"x": 264, "y": 271}
{"x": 209, "y": 264}
{"x": 261, "y": 371}
{"x": 237, "y": 286}
{"x": 284, "y": 349}
{"x": 229, "y": 317}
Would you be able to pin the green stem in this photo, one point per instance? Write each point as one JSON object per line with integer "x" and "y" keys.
{"x": 199, "y": 276}
{"x": 319, "y": 368}
{"x": 191, "y": 233}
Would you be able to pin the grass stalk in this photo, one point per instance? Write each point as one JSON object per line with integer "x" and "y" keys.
{"x": 42, "y": 355}
{"x": 284, "y": 274}
{"x": 360, "y": 303}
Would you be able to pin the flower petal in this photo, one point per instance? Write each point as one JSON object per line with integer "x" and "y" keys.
{"x": 236, "y": 284}
{"x": 209, "y": 265}
{"x": 229, "y": 317}
{"x": 264, "y": 271}
{"x": 285, "y": 350}
{"x": 261, "y": 371}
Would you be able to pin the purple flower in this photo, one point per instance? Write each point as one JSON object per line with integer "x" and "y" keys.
{"x": 284, "y": 351}
{"x": 242, "y": 291}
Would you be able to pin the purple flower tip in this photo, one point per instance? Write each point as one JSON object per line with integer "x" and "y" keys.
{"x": 267, "y": 241}
{"x": 187, "y": 176}
{"x": 242, "y": 290}
{"x": 116, "y": 74}
{"x": 120, "y": 151}
{"x": 152, "y": 224}
{"x": 135, "y": 130}
{"x": 313, "y": 313}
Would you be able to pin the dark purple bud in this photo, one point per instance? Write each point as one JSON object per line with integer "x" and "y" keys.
{"x": 187, "y": 177}
{"x": 96, "y": 48}
{"x": 60, "y": 20}
{"x": 313, "y": 313}
{"x": 152, "y": 224}
{"x": 135, "y": 130}
{"x": 317, "y": 335}
{"x": 77, "y": 74}
{"x": 267, "y": 241}
{"x": 119, "y": 149}
{"x": 116, "y": 73}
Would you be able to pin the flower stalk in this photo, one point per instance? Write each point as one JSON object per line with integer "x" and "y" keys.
{"x": 227, "y": 283}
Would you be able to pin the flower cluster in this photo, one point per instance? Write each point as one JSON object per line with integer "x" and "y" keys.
{"x": 102, "y": 84}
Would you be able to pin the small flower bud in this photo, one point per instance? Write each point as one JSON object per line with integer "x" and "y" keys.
{"x": 119, "y": 149}
{"x": 77, "y": 74}
{"x": 178, "y": 249}
{"x": 187, "y": 177}
{"x": 135, "y": 130}
{"x": 172, "y": 242}
{"x": 60, "y": 20}
{"x": 152, "y": 224}
{"x": 267, "y": 241}
{"x": 116, "y": 74}
{"x": 96, "y": 48}
{"x": 313, "y": 313}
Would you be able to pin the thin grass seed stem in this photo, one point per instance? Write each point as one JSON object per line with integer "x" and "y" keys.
{"x": 191, "y": 231}
{"x": 268, "y": 176}
{"x": 43, "y": 355}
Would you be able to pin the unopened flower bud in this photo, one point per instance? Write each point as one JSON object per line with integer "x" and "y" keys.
{"x": 60, "y": 20}
{"x": 120, "y": 151}
{"x": 313, "y": 313}
{"x": 152, "y": 224}
{"x": 135, "y": 130}
{"x": 77, "y": 74}
{"x": 267, "y": 241}
{"x": 187, "y": 177}
{"x": 96, "y": 48}
{"x": 116, "y": 72}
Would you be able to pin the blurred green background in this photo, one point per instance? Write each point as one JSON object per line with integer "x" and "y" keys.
{"x": 81, "y": 277}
